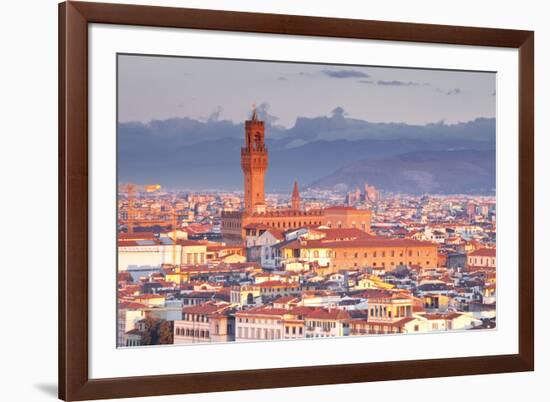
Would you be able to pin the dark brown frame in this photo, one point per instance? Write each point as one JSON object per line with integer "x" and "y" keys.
{"x": 74, "y": 17}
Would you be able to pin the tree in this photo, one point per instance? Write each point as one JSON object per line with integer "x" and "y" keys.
{"x": 165, "y": 333}
{"x": 157, "y": 331}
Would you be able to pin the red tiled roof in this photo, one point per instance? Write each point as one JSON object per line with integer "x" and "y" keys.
{"x": 345, "y": 233}
{"x": 483, "y": 252}
{"x": 268, "y": 284}
{"x": 198, "y": 228}
{"x": 130, "y": 243}
{"x": 375, "y": 293}
{"x": 269, "y": 311}
{"x": 219, "y": 247}
{"x": 276, "y": 234}
{"x": 190, "y": 243}
{"x": 131, "y": 305}
{"x": 367, "y": 242}
{"x": 325, "y": 314}
{"x": 302, "y": 310}
{"x": 137, "y": 236}
{"x": 449, "y": 316}
{"x": 206, "y": 308}
{"x": 150, "y": 296}
{"x": 341, "y": 208}
{"x": 285, "y": 299}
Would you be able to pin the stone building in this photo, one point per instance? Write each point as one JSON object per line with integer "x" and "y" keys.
{"x": 254, "y": 164}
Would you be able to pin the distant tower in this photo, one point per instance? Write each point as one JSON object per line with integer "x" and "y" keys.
{"x": 254, "y": 164}
{"x": 295, "y": 197}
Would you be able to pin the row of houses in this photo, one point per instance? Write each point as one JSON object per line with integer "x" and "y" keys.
{"x": 287, "y": 318}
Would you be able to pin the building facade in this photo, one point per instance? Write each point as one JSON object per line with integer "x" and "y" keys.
{"x": 482, "y": 258}
{"x": 209, "y": 322}
{"x": 386, "y": 254}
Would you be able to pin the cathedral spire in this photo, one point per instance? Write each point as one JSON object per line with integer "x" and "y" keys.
{"x": 295, "y": 201}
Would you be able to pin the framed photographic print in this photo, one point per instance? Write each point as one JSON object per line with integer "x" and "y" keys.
{"x": 260, "y": 200}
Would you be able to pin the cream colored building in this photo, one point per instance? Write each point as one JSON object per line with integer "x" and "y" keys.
{"x": 155, "y": 253}
{"x": 260, "y": 323}
{"x": 323, "y": 323}
{"x": 244, "y": 294}
{"x": 204, "y": 323}
{"x": 482, "y": 258}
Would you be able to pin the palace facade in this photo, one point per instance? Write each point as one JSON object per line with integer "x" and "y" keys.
{"x": 254, "y": 164}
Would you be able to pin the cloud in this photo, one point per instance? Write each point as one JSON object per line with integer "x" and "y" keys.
{"x": 449, "y": 92}
{"x": 345, "y": 74}
{"x": 215, "y": 115}
{"x": 282, "y": 79}
{"x": 263, "y": 112}
{"x": 396, "y": 83}
{"x": 402, "y": 83}
{"x": 455, "y": 91}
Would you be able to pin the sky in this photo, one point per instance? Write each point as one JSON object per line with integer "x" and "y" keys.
{"x": 160, "y": 88}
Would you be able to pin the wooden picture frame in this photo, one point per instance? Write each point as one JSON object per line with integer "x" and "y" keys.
{"x": 74, "y": 381}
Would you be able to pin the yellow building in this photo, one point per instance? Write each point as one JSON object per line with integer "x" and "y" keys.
{"x": 192, "y": 252}
{"x": 375, "y": 252}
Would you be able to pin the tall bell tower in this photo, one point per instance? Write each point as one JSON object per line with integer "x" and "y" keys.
{"x": 254, "y": 164}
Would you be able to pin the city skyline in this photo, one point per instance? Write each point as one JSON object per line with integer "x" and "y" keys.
{"x": 396, "y": 236}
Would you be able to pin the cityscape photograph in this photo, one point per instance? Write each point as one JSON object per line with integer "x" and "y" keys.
{"x": 271, "y": 201}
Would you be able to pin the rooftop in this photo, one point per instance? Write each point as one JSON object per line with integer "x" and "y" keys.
{"x": 483, "y": 252}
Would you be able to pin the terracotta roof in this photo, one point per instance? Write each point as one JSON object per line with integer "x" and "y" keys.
{"x": 198, "y": 228}
{"x": 449, "y": 316}
{"x": 302, "y": 310}
{"x": 345, "y": 233}
{"x": 325, "y": 314}
{"x": 276, "y": 234}
{"x": 375, "y": 293}
{"x": 205, "y": 308}
{"x": 285, "y": 299}
{"x": 398, "y": 324}
{"x": 190, "y": 243}
{"x": 137, "y": 236}
{"x": 268, "y": 284}
{"x": 483, "y": 252}
{"x": 404, "y": 321}
{"x": 150, "y": 296}
{"x": 365, "y": 242}
{"x": 341, "y": 208}
{"x": 131, "y": 305}
{"x": 269, "y": 311}
{"x": 131, "y": 243}
{"x": 218, "y": 247}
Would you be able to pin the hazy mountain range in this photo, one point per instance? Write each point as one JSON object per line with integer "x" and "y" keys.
{"x": 420, "y": 172}
{"x": 321, "y": 152}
